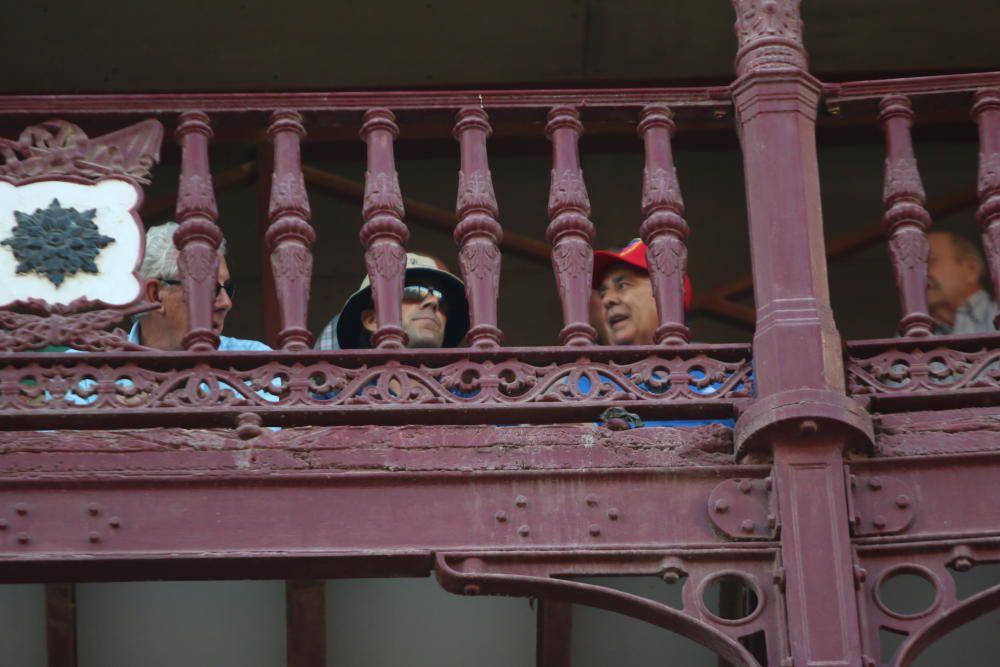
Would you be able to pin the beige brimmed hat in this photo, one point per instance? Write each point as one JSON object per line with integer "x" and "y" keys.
{"x": 349, "y": 325}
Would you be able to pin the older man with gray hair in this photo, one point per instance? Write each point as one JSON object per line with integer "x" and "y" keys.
{"x": 955, "y": 295}
{"x": 165, "y": 327}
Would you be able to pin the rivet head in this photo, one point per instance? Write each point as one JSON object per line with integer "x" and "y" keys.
{"x": 768, "y": 483}
{"x": 521, "y": 501}
{"x": 747, "y": 526}
{"x": 808, "y": 427}
{"x": 22, "y": 538}
{"x": 471, "y": 589}
{"x": 21, "y": 508}
{"x": 875, "y": 483}
{"x": 963, "y": 564}
{"x": 501, "y": 516}
{"x": 95, "y": 536}
{"x": 524, "y": 531}
{"x": 879, "y": 522}
{"x": 93, "y": 509}
{"x": 670, "y": 576}
{"x": 594, "y": 529}
{"x": 902, "y": 501}
{"x": 591, "y": 499}
{"x": 721, "y": 506}
{"x": 114, "y": 522}
{"x": 745, "y": 486}
{"x": 614, "y": 514}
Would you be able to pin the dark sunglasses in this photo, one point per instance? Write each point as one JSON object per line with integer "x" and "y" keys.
{"x": 417, "y": 293}
{"x": 228, "y": 286}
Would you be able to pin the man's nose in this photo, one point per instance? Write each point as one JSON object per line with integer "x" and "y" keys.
{"x": 609, "y": 298}
{"x": 222, "y": 300}
{"x": 431, "y": 302}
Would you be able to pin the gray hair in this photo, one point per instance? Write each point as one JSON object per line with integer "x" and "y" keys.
{"x": 160, "y": 259}
{"x": 965, "y": 249}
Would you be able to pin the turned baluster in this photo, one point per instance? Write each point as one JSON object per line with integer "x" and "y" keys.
{"x": 986, "y": 112}
{"x": 570, "y": 231}
{"x": 384, "y": 234}
{"x": 663, "y": 229}
{"x": 906, "y": 220}
{"x": 289, "y": 234}
{"x": 478, "y": 233}
{"x": 198, "y": 237}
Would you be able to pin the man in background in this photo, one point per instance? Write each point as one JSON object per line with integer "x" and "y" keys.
{"x": 435, "y": 312}
{"x": 955, "y": 295}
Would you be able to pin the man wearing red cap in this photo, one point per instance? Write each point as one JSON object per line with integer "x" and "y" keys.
{"x": 626, "y": 294}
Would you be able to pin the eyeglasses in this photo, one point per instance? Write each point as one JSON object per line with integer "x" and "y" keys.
{"x": 417, "y": 294}
{"x": 228, "y": 286}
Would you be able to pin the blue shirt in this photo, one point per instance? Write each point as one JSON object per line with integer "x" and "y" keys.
{"x": 226, "y": 344}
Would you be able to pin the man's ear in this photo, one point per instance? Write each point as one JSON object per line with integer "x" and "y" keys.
{"x": 368, "y": 320}
{"x": 972, "y": 271}
{"x": 152, "y": 289}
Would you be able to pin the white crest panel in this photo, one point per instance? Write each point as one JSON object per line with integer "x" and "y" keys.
{"x": 113, "y": 201}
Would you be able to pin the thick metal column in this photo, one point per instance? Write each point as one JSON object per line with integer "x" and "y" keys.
{"x": 801, "y": 415}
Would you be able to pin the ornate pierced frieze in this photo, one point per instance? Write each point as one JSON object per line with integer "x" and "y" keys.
{"x": 77, "y": 326}
{"x": 69, "y": 384}
{"x": 936, "y": 369}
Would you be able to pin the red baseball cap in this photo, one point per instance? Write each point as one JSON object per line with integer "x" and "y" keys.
{"x": 634, "y": 254}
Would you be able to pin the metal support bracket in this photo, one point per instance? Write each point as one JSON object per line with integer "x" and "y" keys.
{"x": 744, "y": 509}
{"x": 880, "y": 505}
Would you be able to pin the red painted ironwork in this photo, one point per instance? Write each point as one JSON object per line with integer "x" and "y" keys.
{"x": 986, "y": 111}
{"x": 906, "y": 220}
{"x": 384, "y": 234}
{"x": 290, "y": 235}
{"x": 664, "y": 229}
{"x": 478, "y": 233}
{"x": 571, "y": 232}
{"x": 39, "y": 325}
{"x": 330, "y": 388}
{"x": 776, "y": 101}
{"x": 198, "y": 238}
{"x": 58, "y": 148}
{"x": 843, "y": 469}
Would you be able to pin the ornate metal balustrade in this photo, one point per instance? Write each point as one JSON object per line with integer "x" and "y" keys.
{"x": 482, "y": 464}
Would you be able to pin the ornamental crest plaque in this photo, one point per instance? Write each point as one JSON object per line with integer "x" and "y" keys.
{"x": 70, "y": 239}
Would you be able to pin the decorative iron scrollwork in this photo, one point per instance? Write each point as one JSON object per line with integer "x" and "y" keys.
{"x": 323, "y": 384}
{"x": 937, "y": 369}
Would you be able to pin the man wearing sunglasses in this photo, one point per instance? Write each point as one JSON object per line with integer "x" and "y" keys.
{"x": 165, "y": 327}
{"x": 435, "y": 312}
